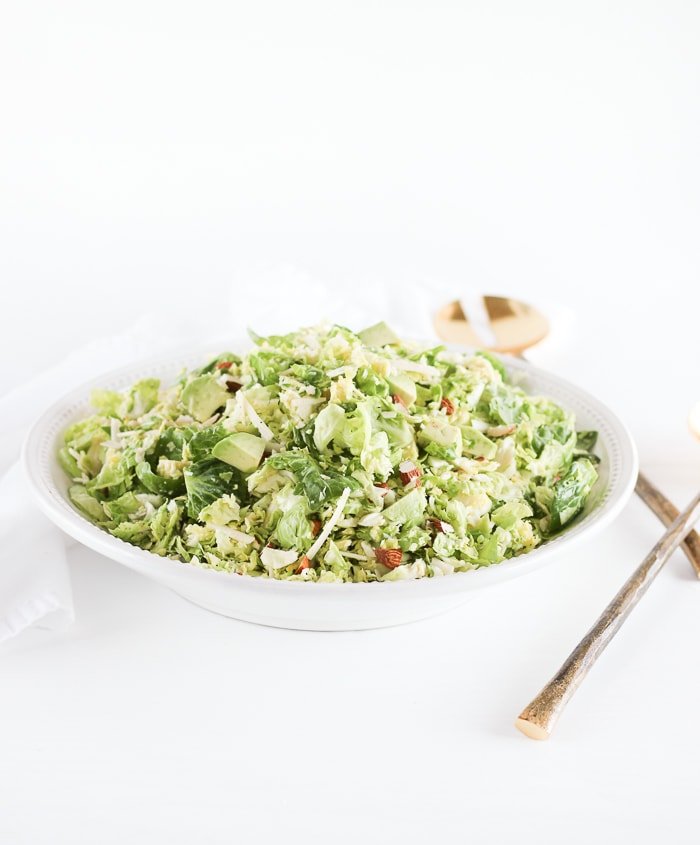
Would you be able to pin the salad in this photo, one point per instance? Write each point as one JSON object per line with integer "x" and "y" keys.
{"x": 330, "y": 455}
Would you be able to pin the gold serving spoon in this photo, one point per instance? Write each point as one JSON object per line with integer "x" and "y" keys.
{"x": 507, "y": 325}
{"x": 694, "y": 420}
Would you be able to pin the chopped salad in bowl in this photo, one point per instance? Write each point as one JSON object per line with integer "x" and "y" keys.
{"x": 332, "y": 456}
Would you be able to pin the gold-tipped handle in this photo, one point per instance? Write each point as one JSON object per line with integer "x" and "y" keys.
{"x": 667, "y": 512}
{"x": 540, "y": 716}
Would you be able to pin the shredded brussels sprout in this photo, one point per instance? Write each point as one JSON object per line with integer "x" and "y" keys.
{"x": 329, "y": 455}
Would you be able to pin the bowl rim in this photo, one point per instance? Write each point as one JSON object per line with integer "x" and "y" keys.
{"x": 58, "y": 509}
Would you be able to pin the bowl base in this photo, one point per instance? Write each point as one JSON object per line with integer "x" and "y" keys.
{"x": 341, "y": 622}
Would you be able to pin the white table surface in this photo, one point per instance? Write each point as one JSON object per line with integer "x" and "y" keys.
{"x": 149, "y": 152}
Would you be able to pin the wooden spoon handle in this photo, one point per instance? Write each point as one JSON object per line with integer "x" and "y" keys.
{"x": 540, "y": 716}
{"x": 667, "y": 512}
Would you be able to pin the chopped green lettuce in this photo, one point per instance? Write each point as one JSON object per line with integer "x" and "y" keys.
{"x": 570, "y": 494}
{"x": 205, "y": 482}
{"x": 317, "y": 484}
{"x": 305, "y": 457}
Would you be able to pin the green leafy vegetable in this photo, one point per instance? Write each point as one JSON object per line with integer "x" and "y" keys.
{"x": 495, "y": 363}
{"x": 570, "y": 493}
{"x": 215, "y": 365}
{"x": 371, "y": 383}
{"x": 319, "y": 486}
{"x": 267, "y": 366}
{"x": 329, "y": 423}
{"x": 107, "y": 402}
{"x": 157, "y": 483}
{"x": 206, "y": 481}
{"x": 327, "y": 455}
{"x": 586, "y": 440}
{"x": 202, "y": 442}
{"x": 293, "y": 530}
{"x": 82, "y": 499}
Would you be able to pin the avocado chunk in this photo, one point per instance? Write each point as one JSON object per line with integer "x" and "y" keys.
{"x": 202, "y": 396}
{"x": 476, "y": 443}
{"x": 404, "y": 387}
{"x": 435, "y": 430}
{"x": 378, "y": 335}
{"x": 409, "y": 508}
{"x": 240, "y": 450}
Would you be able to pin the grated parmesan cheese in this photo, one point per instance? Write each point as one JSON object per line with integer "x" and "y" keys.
{"x": 264, "y": 430}
{"x": 415, "y": 367}
{"x": 330, "y": 525}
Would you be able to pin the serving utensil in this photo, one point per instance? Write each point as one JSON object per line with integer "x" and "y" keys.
{"x": 506, "y": 325}
{"x": 540, "y": 716}
{"x": 694, "y": 420}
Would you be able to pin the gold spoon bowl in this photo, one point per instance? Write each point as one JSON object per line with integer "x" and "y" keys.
{"x": 512, "y": 326}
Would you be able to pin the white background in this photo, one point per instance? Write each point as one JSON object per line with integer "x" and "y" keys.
{"x": 154, "y": 159}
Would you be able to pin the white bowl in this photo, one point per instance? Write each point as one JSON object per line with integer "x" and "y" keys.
{"x": 313, "y": 606}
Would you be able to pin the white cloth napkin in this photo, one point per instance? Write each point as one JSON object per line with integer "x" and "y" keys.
{"x": 34, "y": 576}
